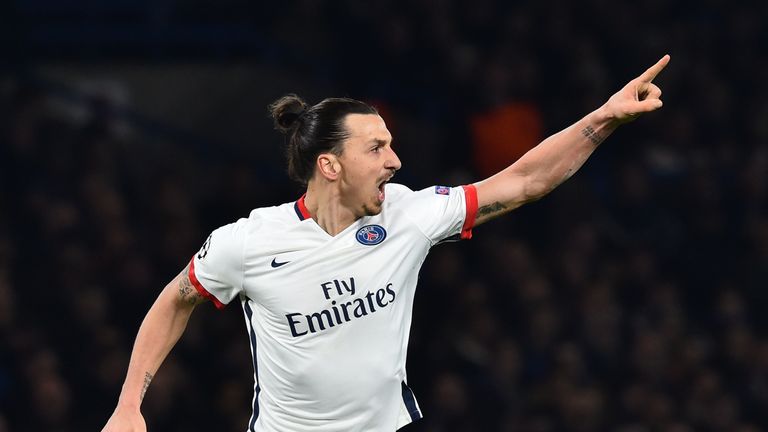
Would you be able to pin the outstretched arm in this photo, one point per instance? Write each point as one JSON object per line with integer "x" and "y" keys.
{"x": 161, "y": 329}
{"x": 558, "y": 157}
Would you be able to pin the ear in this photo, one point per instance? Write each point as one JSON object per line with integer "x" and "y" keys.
{"x": 329, "y": 166}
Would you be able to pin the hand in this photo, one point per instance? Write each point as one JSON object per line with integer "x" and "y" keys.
{"x": 125, "y": 420}
{"x": 637, "y": 97}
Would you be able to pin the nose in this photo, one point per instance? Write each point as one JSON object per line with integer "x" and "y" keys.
{"x": 393, "y": 162}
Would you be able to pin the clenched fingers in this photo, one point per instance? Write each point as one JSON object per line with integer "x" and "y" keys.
{"x": 647, "y": 91}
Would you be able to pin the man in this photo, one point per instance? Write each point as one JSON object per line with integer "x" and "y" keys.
{"x": 327, "y": 282}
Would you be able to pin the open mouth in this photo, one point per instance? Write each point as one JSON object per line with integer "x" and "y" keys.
{"x": 381, "y": 190}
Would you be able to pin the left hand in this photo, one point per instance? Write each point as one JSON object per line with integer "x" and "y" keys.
{"x": 637, "y": 97}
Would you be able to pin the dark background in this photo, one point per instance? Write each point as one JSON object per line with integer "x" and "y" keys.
{"x": 632, "y": 298}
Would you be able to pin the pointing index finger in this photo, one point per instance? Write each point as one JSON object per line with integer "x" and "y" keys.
{"x": 654, "y": 70}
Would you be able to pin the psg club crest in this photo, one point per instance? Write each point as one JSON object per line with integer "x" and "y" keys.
{"x": 442, "y": 190}
{"x": 371, "y": 235}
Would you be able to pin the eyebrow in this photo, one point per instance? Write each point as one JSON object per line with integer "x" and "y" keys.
{"x": 381, "y": 141}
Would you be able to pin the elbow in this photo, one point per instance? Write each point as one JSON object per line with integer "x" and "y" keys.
{"x": 536, "y": 189}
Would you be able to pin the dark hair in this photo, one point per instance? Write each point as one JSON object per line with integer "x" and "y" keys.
{"x": 312, "y": 130}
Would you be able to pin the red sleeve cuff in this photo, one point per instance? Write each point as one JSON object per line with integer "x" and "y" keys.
{"x": 470, "y": 198}
{"x": 200, "y": 288}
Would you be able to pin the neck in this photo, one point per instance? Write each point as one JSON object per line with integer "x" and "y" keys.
{"x": 327, "y": 209}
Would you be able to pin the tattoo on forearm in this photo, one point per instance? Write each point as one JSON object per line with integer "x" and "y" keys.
{"x": 490, "y": 209}
{"x": 592, "y": 135}
{"x": 147, "y": 379}
{"x": 187, "y": 292}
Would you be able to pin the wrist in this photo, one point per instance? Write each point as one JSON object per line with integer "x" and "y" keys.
{"x": 604, "y": 119}
{"x": 129, "y": 403}
{"x": 124, "y": 406}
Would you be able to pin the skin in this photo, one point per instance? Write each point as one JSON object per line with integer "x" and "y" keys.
{"x": 161, "y": 329}
{"x": 558, "y": 157}
{"x": 345, "y": 188}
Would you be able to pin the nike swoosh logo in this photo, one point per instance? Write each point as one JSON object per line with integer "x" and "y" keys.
{"x": 276, "y": 264}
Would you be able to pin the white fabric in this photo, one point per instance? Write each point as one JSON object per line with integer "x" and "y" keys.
{"x": 331, "y": 325}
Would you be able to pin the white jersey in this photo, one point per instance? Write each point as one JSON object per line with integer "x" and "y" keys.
{"x": 329, "y": 316}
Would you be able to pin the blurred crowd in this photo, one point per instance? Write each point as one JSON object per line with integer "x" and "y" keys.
{"x": 631, "y": 299}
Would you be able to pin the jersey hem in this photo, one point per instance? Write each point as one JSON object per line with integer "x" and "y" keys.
{"x": 200, "y": 288}
{"x": 470, "y": 199}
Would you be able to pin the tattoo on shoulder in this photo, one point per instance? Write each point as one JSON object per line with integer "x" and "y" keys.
{"x": 147, "y": 379}
{"x": 592, "y": 135}
{"x": 491, "y": 209}
{"x": 187, "y": 292}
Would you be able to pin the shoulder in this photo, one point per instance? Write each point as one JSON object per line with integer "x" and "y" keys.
{"x": 282, "y": 214}
{"x": 399, "y": 194}
{"x": 260, "y": 219}
{"x": 396, "y": 191}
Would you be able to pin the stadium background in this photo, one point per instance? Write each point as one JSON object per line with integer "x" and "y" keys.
{"x": 632, "y": 298}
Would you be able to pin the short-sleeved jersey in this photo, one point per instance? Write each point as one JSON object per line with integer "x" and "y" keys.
{"x": 329, "y": 316}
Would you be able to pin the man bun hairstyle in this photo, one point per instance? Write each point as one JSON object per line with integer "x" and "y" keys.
{"x": 286, "y": 110}
{"x": 313, "y": 130}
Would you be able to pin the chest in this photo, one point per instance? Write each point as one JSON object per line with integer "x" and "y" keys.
{"x": 301, "y": 267}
